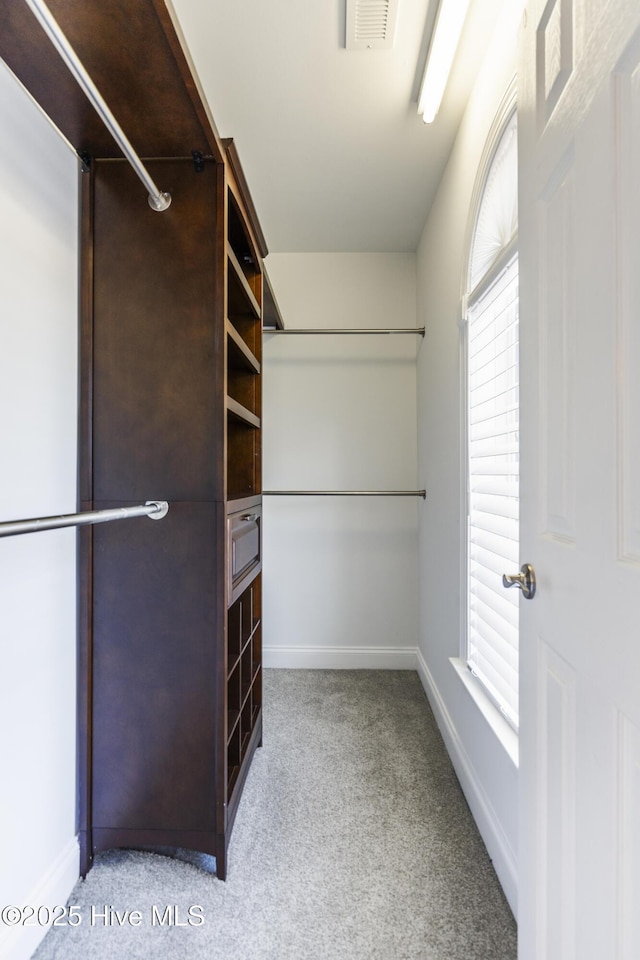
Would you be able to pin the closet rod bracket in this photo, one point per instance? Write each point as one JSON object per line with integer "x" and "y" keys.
{"x": 160, "y": 201}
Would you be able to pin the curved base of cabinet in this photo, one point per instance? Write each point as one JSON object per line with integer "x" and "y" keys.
{"x": 167, "y": 841}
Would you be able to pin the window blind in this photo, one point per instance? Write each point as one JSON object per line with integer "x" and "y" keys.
{"x": 493, "y": 479}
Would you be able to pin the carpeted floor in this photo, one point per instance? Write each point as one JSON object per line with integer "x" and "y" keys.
{"x": 353, "y": 842}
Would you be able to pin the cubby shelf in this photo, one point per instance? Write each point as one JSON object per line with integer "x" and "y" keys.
{"x": 244, "y": 677}
{"x": 234, "y": 716}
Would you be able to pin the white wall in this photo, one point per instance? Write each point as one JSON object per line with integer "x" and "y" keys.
{"x": 481, "y": 746}
{"x": 339, "y": 413}
{"x": 38, "y": 417}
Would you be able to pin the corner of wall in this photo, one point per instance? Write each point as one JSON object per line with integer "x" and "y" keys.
{"x": 497, "y": 842}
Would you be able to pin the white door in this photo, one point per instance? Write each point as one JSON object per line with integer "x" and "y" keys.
{"x": 579, "y": 122}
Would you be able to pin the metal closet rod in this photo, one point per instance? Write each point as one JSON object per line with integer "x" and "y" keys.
{"x": 158, "y": 200}
{"x": 345, "y": 493}
{"x": 350, "y": 331}
{"x": 154, "y": 509}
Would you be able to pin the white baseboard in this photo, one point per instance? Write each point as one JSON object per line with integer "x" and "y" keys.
{"x": 53, "y": 889}
{"x": 340, "y": 658}
{"x": 495, "y": 840}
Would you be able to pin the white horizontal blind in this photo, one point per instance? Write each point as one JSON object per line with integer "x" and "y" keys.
{"x": 493, "y": 478}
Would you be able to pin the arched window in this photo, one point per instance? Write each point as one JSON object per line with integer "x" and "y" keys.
{"x": 492, "y": 434}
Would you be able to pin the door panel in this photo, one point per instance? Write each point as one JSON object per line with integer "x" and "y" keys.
{"x": 579, "y": 231}
{"x": 557, "y": 799}
{"x": 628, "y": 837}
{"x": 558, "y": 353}
{"x": 628, "y": 332}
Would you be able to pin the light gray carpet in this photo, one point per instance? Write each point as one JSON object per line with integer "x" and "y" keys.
{"x": 353, "y": 842}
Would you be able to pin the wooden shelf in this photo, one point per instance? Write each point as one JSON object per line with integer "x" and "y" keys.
{"x": 242, "y": 300}
{"x": 233, "y": 776}
{"x": 120, "y": 51}
{"x": 271, "y": 314}
{"x": 232, "y": 663}
{"x": 232, "y": 721}
{"x": 241, "y": 413}
{"x": 244, "y": 199}
{"x": 239, "y": 354}
{"x": 243, "y": 373}
{"x": 243, "y": 474}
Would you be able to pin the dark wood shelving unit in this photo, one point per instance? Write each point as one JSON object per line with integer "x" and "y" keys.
{"x": 244, "y": 339}
{"x": 170, "y": 639}
{"x": 243, "y": 483}
{"x": 199, "y": 362}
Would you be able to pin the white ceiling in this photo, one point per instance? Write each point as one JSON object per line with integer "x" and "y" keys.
{"x": 334, "y": 151}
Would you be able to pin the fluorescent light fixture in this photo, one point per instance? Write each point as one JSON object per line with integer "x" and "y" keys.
{"x": 444, "y": 43}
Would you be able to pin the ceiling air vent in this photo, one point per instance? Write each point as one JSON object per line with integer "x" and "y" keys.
{"x": 370, "y": 24}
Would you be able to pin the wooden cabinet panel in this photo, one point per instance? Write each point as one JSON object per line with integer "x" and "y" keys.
{"x": 157, "y": 404}
{"x": 137, "y": 63}
{"x": 155, "y": 664}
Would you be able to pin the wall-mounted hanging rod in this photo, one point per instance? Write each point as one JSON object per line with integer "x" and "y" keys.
{"x": 366, "y": 330}
{"x": 157, "y": 199}
{"x": 154, "y": 509}
{"x": 345, "y": 493}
